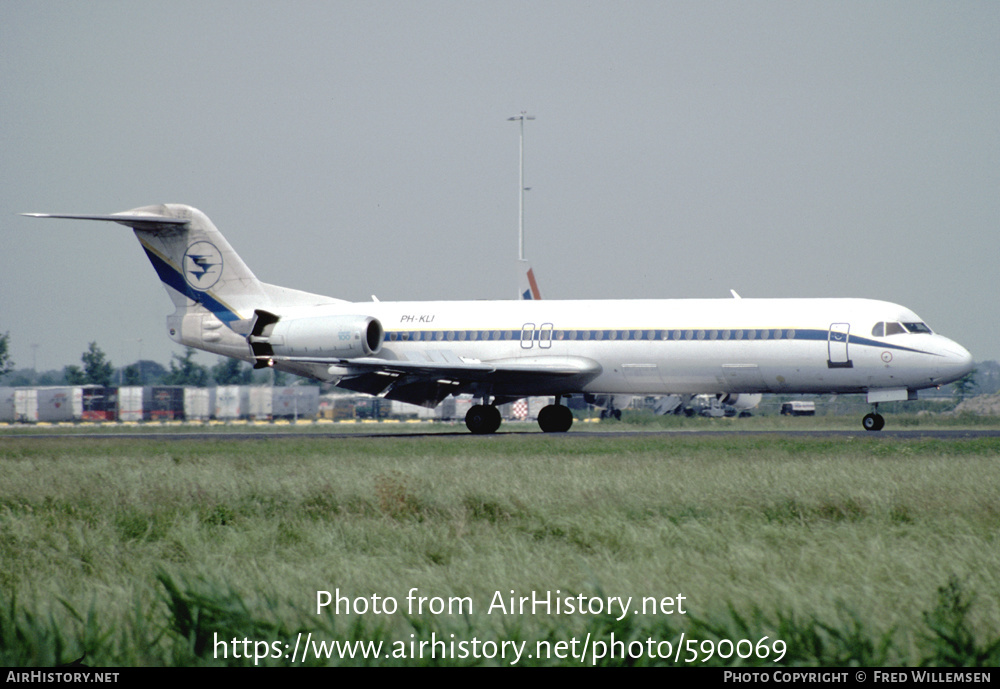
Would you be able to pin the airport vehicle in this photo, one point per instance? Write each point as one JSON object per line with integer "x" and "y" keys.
{"x": 716, "y": 406}
{"x": 798, "y": 408}
{"x": 500, "y": 351}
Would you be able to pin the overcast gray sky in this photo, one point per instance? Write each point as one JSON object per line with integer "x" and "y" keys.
{"x": 355, "y": 148}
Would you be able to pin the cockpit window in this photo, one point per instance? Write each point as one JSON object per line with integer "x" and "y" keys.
{"x": 883, "y": 329}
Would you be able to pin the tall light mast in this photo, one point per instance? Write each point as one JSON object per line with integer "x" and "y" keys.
{"x": 520, "y": 187}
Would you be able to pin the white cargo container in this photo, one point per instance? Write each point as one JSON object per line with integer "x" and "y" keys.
{"x": 130, "y": 403}
{"x": 7, "y": 407}
{"x": 199, "y": 403}
{"x": 403, "y": 410}
{"x": 445, "y": 410}
{"x": 260, "y": 402}
{"x": 461, "y": 407}
{"x": 296, "y": 402}
{"x": 26, "y": 405}
{"x": 535, "y": 405}
{"x": 232, "y": 402}
{"x": 430, "y": 413}
{"x": 60, "y": 404}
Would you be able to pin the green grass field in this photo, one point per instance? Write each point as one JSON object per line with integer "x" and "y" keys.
{"x": 866, "y": 550}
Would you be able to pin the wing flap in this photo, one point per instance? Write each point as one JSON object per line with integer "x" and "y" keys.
{"x": 368, "y": 383}
{"x": 427, "y": 383}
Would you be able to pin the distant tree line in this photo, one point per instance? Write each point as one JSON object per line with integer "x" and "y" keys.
{"x": 96, "y": 369}
{"x": 6, "y": 365}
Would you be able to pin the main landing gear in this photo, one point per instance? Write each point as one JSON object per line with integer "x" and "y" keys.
{"x": 873, "y": 421}
{"x": 555, "y": 418}
{"x": 483, "y": 419}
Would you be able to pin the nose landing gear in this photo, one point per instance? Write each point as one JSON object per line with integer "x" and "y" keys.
{"x": 873, "y": 421}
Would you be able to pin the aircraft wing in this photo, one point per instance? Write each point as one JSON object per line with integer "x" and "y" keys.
{"x": 426, "y": 383}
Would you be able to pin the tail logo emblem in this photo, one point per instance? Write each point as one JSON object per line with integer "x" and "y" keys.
{"x": 202, "y": 265}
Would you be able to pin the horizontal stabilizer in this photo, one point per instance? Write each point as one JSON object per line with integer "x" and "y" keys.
{"x": 136, "y": 221}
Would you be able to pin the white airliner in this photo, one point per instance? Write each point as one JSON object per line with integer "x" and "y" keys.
{"x": 500, "y": 351}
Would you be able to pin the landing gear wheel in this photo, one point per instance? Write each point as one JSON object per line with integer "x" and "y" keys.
{"x": 482, "y": 419}
{"x": 495, "y": 420}
{"x": 555, "y": 418}
{"x": 873, "y": 422}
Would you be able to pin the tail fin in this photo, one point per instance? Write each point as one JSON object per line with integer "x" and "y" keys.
{"x": 527, "y": 287}
{"x": 196, "y": 264}
{"x": 213, "y": 290}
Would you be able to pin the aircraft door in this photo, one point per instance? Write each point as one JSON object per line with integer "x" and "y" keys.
{"x": 836, "y": 346}
{"x": 545, "y": 336}
{"x": 527, "y": 336}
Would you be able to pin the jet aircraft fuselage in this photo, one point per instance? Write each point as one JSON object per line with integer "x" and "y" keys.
{"x": 421, "y": 352}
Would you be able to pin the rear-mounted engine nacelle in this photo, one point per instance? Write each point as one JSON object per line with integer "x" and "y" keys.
{"x": 340, "y": 337}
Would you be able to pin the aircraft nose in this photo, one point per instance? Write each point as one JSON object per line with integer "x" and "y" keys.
{"x": 958, "y": 361}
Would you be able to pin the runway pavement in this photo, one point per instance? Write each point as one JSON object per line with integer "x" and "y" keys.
{"x": 250, "y": 432}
